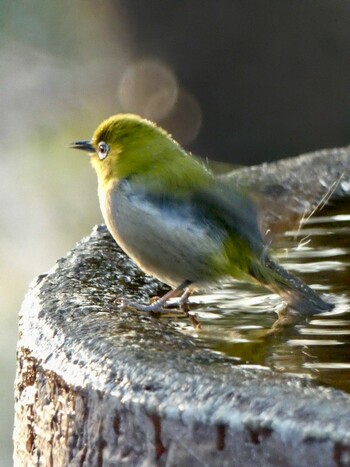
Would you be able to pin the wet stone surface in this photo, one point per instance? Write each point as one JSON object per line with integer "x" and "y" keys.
{"x": 288, "y": 188}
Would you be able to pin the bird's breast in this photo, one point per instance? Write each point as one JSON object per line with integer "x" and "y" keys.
{"x": 167, "y": 238}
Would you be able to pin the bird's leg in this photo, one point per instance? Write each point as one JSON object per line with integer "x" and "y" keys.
{"x": 184, "y": 306}
{"x": 183, "y": 302}
{"x": 157, "y": 307}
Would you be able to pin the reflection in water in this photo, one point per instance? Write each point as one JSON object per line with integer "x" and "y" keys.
{"x": 240, "y": 320}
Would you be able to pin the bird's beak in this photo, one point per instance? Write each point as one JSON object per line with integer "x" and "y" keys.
{"x": 83, "y": 145}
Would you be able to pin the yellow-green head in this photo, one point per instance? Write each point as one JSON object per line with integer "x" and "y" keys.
{"x": 127, "y": 145}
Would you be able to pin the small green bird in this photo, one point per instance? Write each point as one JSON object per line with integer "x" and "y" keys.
{"x": 176, "y": 220}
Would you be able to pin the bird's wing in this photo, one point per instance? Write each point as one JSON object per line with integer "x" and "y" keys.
{"x": 217, "y": 207}
{"x": 236, "y": 211}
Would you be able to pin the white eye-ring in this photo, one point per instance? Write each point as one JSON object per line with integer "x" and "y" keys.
{"x": 103, "y": 150}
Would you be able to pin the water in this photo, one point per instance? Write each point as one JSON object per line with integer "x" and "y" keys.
{"x": 240, "y": 320}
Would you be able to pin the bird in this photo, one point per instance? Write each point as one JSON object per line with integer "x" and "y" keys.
{"x": 177, "y": 221}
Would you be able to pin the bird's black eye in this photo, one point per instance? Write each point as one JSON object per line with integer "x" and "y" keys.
{"x": 103, "y": 150}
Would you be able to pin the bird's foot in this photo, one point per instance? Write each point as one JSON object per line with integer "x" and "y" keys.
{"x": 155, "y": 307}
{"x": 161, "y": 305}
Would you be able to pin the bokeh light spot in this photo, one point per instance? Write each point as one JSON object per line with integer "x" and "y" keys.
{"x": 148, "y": 87}
{"x": 185, "y": 119}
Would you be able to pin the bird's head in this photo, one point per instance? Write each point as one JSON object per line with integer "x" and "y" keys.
{"x": 126, "y": 144}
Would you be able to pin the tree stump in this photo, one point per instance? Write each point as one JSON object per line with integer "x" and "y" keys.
{"x": 98, "y": 385}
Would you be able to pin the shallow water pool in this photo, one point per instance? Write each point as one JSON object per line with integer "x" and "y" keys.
{"x": 242, "y": 322}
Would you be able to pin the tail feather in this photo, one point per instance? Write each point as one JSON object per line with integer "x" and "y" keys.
{"x": 294, "y": 291}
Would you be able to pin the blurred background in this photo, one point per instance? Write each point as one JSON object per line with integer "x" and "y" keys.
{"x": 236, "y": 81}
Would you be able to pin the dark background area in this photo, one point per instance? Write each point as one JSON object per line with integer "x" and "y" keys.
{"x": 272, "y": 77}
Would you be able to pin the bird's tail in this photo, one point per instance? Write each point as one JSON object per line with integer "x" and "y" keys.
{"x": 293, "y": 290}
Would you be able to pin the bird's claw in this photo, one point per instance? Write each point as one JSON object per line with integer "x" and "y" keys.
{"x": 157, "y": 308}
{"x": 154, "y": 308}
